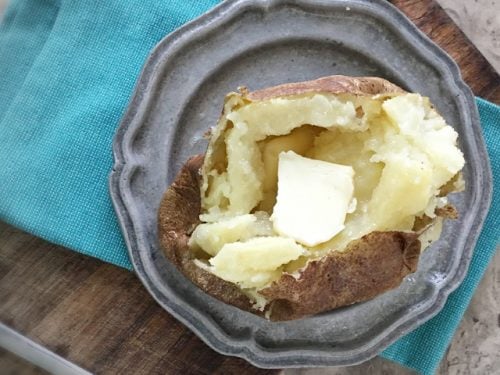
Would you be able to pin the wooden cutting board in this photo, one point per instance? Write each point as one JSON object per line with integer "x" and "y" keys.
{"x": 99, "y": 316}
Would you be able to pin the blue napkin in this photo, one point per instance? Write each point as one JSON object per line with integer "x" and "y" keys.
{"x": 67, "y": 70}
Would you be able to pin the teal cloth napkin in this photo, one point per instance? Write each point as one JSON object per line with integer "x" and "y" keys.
{"x": 67, "y": 71}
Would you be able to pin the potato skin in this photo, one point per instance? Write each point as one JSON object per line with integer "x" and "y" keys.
{"x": 369, "y": 266}
{"x": 337, "y": 84}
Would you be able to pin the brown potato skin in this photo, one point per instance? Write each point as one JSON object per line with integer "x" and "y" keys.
{"x": 362, "y": 86}
{"x": 369, "y": 266}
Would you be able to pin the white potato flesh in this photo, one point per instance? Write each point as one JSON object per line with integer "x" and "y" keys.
{"x": 400, "y": 150}
{"x": 210, "y": 237}
{"x": 256, "y": 262}
{"x": 254, "y": 122}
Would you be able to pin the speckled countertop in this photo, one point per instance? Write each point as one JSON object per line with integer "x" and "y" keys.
{"x": 475, "y": 348}
{"x": 480, "y": 21}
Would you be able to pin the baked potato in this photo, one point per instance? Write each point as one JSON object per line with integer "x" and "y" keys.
{"x": 312, "y": 195}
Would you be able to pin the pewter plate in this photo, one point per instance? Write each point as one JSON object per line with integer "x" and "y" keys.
{"x": 263, "y": 43}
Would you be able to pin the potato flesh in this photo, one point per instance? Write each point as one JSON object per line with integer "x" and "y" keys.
{"x": 256, "y": 262}
{"x": 241, "y": 185}
{"x": 401, "y": 151}
{"x": 211, "y": 237}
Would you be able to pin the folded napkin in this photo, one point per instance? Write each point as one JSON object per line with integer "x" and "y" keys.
{"x": 67, "y": 71}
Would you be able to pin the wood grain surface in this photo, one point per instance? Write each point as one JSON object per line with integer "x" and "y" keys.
{"x": 101, "y": 318}
{"x": 13, "y": 365}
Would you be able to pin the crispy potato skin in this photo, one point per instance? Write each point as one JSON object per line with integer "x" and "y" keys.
{"x": 369, "y": 266}
{"x": 333, "y": 84}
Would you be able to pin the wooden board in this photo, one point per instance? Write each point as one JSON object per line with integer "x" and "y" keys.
{"x": 13, "y": 365}
{"x": 101, "y": 318}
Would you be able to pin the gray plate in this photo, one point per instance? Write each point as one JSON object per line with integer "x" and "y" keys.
{"x": 263, "y": 43}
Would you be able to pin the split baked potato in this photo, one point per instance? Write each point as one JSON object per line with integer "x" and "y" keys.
{"x": 312, "y": 195}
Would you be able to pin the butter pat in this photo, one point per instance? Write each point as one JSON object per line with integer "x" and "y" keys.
{"x": 313, "y": 199}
